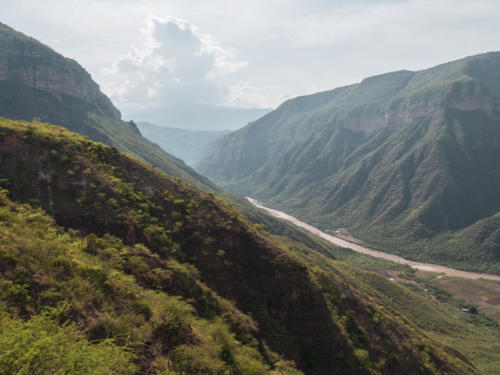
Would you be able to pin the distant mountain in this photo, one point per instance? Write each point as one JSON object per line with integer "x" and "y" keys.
{"x": 126, "y": 270}
{"x": 200, "y": 116}
{"x": 37, "y": 82}
{"x": 187, "y": 145}
{"x": 408, "y": 161}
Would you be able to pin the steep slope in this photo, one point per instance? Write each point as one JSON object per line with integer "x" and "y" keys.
{"x": 158, "y": 238}
{"x": 37, "y": 82}
{"x": 408, "y": 161}
{"x": 187, "y": 145}
{"x": 97, "y": 306}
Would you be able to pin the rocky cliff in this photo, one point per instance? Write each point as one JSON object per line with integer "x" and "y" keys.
{"x": 26, "y": 62}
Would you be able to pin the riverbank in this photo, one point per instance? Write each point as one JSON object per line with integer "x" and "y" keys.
{"x": 375, "y": 253}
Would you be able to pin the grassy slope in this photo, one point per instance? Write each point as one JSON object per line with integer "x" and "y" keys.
{"x": 301, "y": 312}
{"x": 406, "y": 160}
{"x": 433, "y": 302}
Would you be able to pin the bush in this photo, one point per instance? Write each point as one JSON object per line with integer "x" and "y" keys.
{"x": 39, "y": 346}
{"x": 158, "y": 240}
{"x": 15, "y": 294}
{"x": 142, "y": 308}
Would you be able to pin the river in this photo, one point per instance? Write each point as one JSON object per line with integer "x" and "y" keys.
{"x": 375, "y": 253}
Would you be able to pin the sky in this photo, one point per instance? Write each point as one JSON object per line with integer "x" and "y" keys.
{"x": 153, "y": 54}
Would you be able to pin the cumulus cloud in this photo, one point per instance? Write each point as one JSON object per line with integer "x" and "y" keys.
{"x": 176, "y": 66}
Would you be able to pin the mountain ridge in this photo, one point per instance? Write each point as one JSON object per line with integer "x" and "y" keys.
{"x": 388, "y": 155}
{"x": 19, "y": 101}
{"x": 124, "y": 269}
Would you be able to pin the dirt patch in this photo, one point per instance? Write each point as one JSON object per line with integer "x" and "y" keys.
{"x": 393, "y": 275}
{"x": 345, "y": 235}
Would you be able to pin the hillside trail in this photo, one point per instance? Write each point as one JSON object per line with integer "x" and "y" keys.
{"x": 375, "y": 253}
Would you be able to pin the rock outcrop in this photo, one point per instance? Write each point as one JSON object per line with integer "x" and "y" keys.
{"x": 33, "y": 65}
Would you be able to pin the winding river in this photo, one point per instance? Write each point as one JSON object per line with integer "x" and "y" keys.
{"x": 375, "y": 253}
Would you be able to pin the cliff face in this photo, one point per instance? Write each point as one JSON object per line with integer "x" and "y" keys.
{"x": 27, "y": 62}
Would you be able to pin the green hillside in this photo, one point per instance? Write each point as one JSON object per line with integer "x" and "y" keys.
{"x": 107, "y": 257}
{"x": 407, "y": 161}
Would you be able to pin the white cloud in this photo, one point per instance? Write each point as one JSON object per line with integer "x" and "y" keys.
{"x": 244, "y": 95}
{"x": 176, "y": 65}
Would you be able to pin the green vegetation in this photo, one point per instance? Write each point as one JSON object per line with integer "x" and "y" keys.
{"x": 435, "y": 303}
{"x": 88, "y": 312}
{"x": 109, "y": 266}
{"x": 176, "y": 280}
{"x": 407, "y": 161}
{"x": 41, "y": 346}
{"x": 421, "y": 300}
{"x": 473, "y": 295}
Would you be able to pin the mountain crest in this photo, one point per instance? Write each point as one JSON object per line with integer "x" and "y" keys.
{"x": 400, "y": 158}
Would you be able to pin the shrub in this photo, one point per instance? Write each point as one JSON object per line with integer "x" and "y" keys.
{"x": 15, "y": 294}
{"x": 158, "y": 240}
{"x": 142, "y": 308}
{"x": 39, "y": 346}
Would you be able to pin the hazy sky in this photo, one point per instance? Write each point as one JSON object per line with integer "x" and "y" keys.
{"x": 251, "y": 53}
